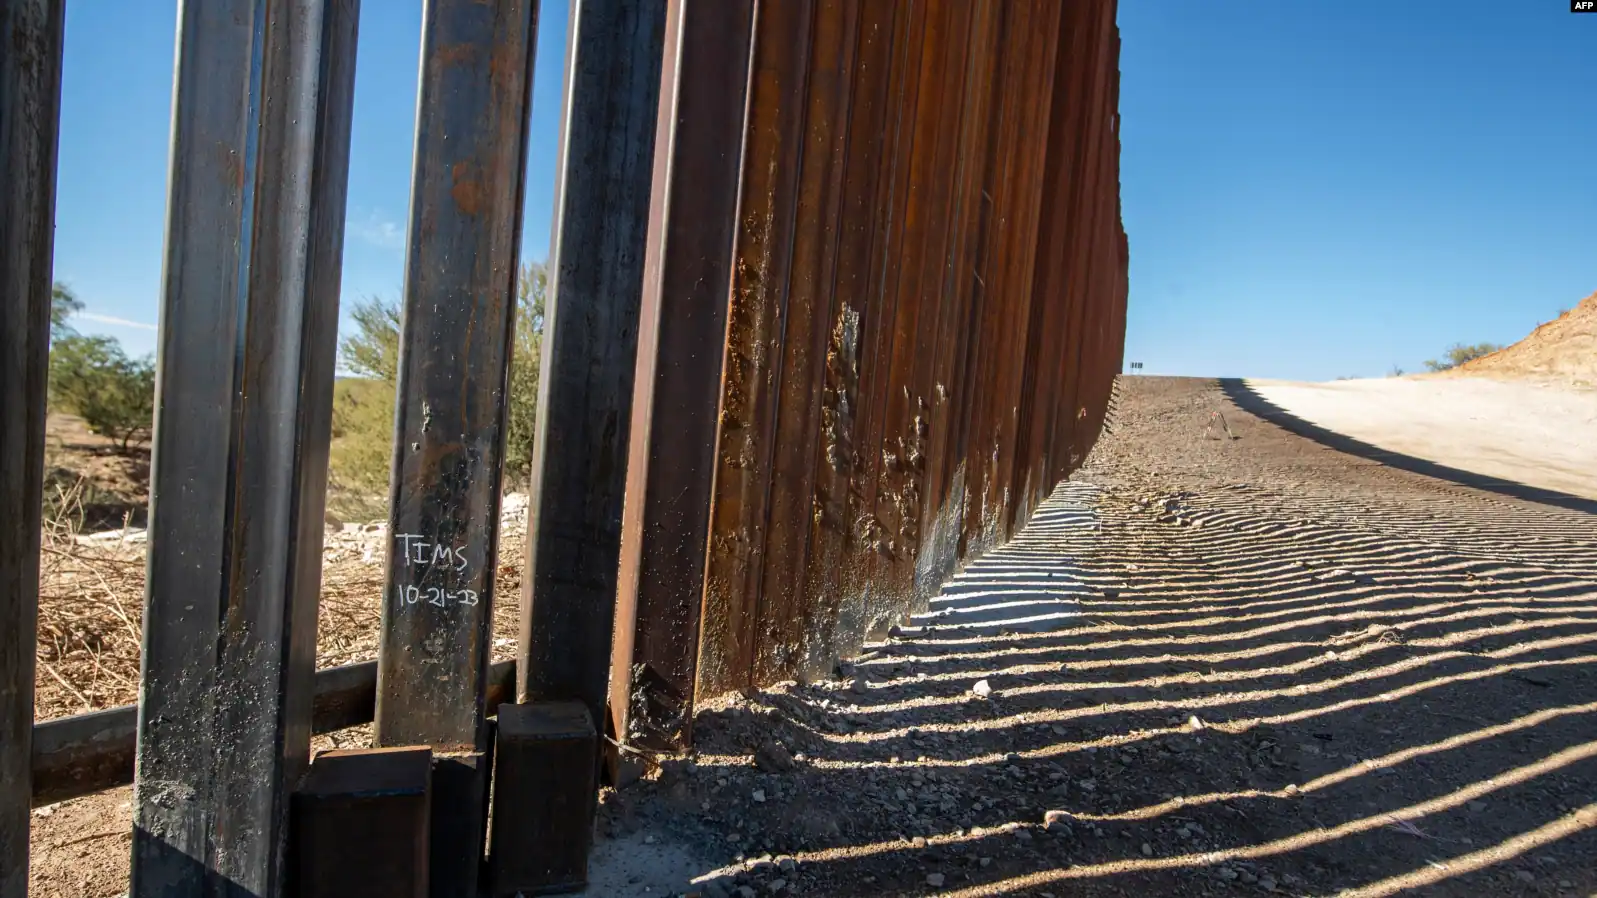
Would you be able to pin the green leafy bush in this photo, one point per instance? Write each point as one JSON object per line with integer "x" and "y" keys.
{"x": 94, "y": 379}
{"x": 362, "y": 448}
{"x": 63, "y": 304}
{"x": 525, "y": 361}
{"x": 363, "y": 406}
{"x": 1459, "y": 353}
{"x": 373, "y": 349}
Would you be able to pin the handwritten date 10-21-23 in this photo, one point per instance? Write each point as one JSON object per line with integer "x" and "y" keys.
{"x": 433, "y": 595}
{"x": 417, "y": 551}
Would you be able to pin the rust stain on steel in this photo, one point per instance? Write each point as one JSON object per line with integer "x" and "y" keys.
{"x": 780, "y": 613}
{"x": 755, "y": 321}
{"x": 923, "y": 321}
{"x": 848, "y": 256}
{"x": 466, "y": 187}
{"x": 456, "y": 54}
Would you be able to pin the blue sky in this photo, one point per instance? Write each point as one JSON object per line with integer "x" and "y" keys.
{"x": 1315, "y": 190}
{"x": 116, "y": 120}
{"x": 1311, "y": 189}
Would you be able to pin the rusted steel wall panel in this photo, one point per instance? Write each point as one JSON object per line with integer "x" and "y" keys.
{"x": 855, "y": 244}
{"x": 1009, "y": 502}
{"x": 933, "y": 234}
{"x": 865, "y": 588}
{"x": 988, "y": 296}
{"x": 1035, "y": 89}
{"x": 1091, "y": 391}
{"x": 924, "y": 319}
{"x": 1061, "y": 258}
{"x": 781, "y": 610}
{"x": 962, "y": 291}
{"x": 756, "y": 318}
{"x": 904, "y": 416}
{"x": 1060, "y": 254}
{"x": 1085, "y": 276}
{"x": 671, "y": 461}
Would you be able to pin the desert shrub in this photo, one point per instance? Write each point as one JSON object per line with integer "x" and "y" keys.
{"x": 525, "y": 361}
{"x": 94, "y": 379}
{"x": 373, "y": 349}
{"x": 362, "y": 450}
{"x": 63, "y": 304}
{"x": 1459, "y": 353}
{"x": 363, "y": 406}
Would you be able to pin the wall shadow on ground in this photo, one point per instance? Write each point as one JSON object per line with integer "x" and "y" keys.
{"x": 1313, "y": 710}
{"x": 1250, "y": 401}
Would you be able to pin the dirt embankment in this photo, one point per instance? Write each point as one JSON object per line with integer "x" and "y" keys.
{"x": 1563, "y": 350}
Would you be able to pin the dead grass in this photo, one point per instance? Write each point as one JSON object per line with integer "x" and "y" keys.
{"x": 90, "y": 613}
{"x": 91, "y": 604}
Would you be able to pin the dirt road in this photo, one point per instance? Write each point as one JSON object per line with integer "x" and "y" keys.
{"x": 1538, "y": 434}
{"x": 1231, "y": 660}
{"x": 1234, "y": 663}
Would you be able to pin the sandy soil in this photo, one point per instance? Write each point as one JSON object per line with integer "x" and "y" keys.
{"x": 1224, "y": 660}
{"x": 1534, "y": 433}
{"x": 111, "y": 487}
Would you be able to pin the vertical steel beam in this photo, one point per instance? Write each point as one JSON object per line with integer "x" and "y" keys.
{"x": 672, "y": 456}
{"x": 579, "y": 466}
{"x": 849, "y": 269}
{"x": 756, "y": 318}
{"x": 789, "y": 640}
{"x": 255, "y": 221}
{"x": 30, "y": 102}
{"x": 945, "y": 496}
{"x": 874, "y": 547}
{"x": 449, "y": 420}
{"x": 931, "y": 151}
